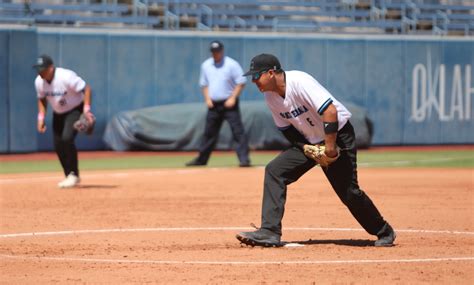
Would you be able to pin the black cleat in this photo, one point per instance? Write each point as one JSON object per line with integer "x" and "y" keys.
{"x": 195, "y": 162}
{"x": 386, "y": 236}
{"x": 245, "y": 164}
{"x": 260, "y": 237}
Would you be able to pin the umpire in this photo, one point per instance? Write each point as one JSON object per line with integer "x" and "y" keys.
{"x": 222, "y": 82}
{"x": 69, "y": 96}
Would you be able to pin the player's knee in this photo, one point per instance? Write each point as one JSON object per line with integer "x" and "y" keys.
{"x": 210, "y": 134}
{"x": 239, "y": 136}
{"x": 272, "y": 169}
{"x": 274, "y": 172}
{"x": 353, "y": 194}
{"x": 269, "y": 168}
{"x": 57, "y": 142}
{"x": 67, "y": 139}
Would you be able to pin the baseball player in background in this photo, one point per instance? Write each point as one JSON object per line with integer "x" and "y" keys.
{"x": 222, "y": 82}
{"x": 69, "y": 96}
{"x": 318, "y": 127}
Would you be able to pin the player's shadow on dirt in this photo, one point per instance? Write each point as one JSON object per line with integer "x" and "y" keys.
{"x": 96, "y": 186}
{"x": 345, "y": 242}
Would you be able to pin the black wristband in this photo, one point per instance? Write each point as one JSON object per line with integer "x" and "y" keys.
{"x": 331, "y": 127}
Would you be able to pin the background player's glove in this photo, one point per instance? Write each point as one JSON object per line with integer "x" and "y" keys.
{"x": 316, "y": 152}
{"x": 86, "y": 123}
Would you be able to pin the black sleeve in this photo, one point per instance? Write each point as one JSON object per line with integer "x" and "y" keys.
{"x": 294, "y": 137}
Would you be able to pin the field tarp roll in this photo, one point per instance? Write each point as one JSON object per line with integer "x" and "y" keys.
{"x": 178, "y": 127}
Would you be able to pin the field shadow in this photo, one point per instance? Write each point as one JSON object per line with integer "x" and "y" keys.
{"x": 344, "y": 242}
{"x": 98, "y": 186}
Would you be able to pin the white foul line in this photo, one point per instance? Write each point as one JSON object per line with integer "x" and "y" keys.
{"x": 115, "y": 174}
{"x": 189, "y": 229}
{"x": 204, "y": 262}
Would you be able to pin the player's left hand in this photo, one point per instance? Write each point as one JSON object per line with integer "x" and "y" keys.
{"x": 86, "y": 123}
{"x": 230, "y": 103}
{"x": 41, "y": 126}
{"x": 318, "y": 154}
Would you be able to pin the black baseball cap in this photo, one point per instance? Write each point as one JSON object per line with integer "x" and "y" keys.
{"x": 43, "y": 62}
{"x": 216, "y": 46}
{"x": 263, "y": 62}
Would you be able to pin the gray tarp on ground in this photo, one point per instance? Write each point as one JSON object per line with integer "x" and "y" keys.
{"x": 181, "y": 127}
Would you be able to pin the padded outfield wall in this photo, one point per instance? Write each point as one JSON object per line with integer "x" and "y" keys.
{"x": 416, "y": 90}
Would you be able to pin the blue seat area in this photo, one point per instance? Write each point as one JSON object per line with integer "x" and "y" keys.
{"x": 95, "y": 19}
{"x": 16, "y": 19}
{"x": 382, "y": 16}
{"x": 118, "y": 8}
{"x": 433, "y": 15}
{"x": 13, "y": 9}
{"x": 435, "y": 7}
{"x": 77, "y": 14}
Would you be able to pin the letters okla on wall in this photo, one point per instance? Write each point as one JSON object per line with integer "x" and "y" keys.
{"x": 432, "y": 95}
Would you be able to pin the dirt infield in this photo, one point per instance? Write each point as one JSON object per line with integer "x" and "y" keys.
{"x": 178, "y": 226}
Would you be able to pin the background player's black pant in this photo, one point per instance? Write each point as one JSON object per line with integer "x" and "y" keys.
{"x": 342, "y": 174}
{"x": 215, "y": 117}
{"x": 64, "y": 135}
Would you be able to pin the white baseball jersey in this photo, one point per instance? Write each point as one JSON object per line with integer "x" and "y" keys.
{"x": 305, "y": 101}
{"x": 64, "y": 93}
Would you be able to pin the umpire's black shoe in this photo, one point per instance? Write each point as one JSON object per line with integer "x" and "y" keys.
{"x": 245, "y": 164}
{"x": 195, "y": 162}
{"x": 386, "y": 236}
{"x": 260, "y": 237}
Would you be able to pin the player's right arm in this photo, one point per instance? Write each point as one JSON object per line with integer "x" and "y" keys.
{"x": 204, "y": 83}
{"x": 42, "y": 107}
{"x": 207, "y": 99}
{"x": 330, "y": 117}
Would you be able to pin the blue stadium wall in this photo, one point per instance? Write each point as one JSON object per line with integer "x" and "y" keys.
{"x": 417, "y": 91}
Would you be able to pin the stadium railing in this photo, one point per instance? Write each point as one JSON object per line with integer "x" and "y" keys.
{"x": 15, "y": 13}
{"x": 74, "y": 14}
{"x": 434, "y": 16}
{"x": 443, "y": 17}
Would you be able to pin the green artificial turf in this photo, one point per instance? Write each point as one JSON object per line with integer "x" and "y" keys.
{"x": 455, "y": 158}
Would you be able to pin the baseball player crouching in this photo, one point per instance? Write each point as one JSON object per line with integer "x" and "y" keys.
{"x": 70, "y": 98}
{"x": 318, "y": 127}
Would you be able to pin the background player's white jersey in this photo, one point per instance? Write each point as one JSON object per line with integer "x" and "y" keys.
{"x": 64, "y": 93}
{"x": 303, "y": 105}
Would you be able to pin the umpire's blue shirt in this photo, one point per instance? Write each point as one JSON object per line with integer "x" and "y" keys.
{"x": 221, "y": 78}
